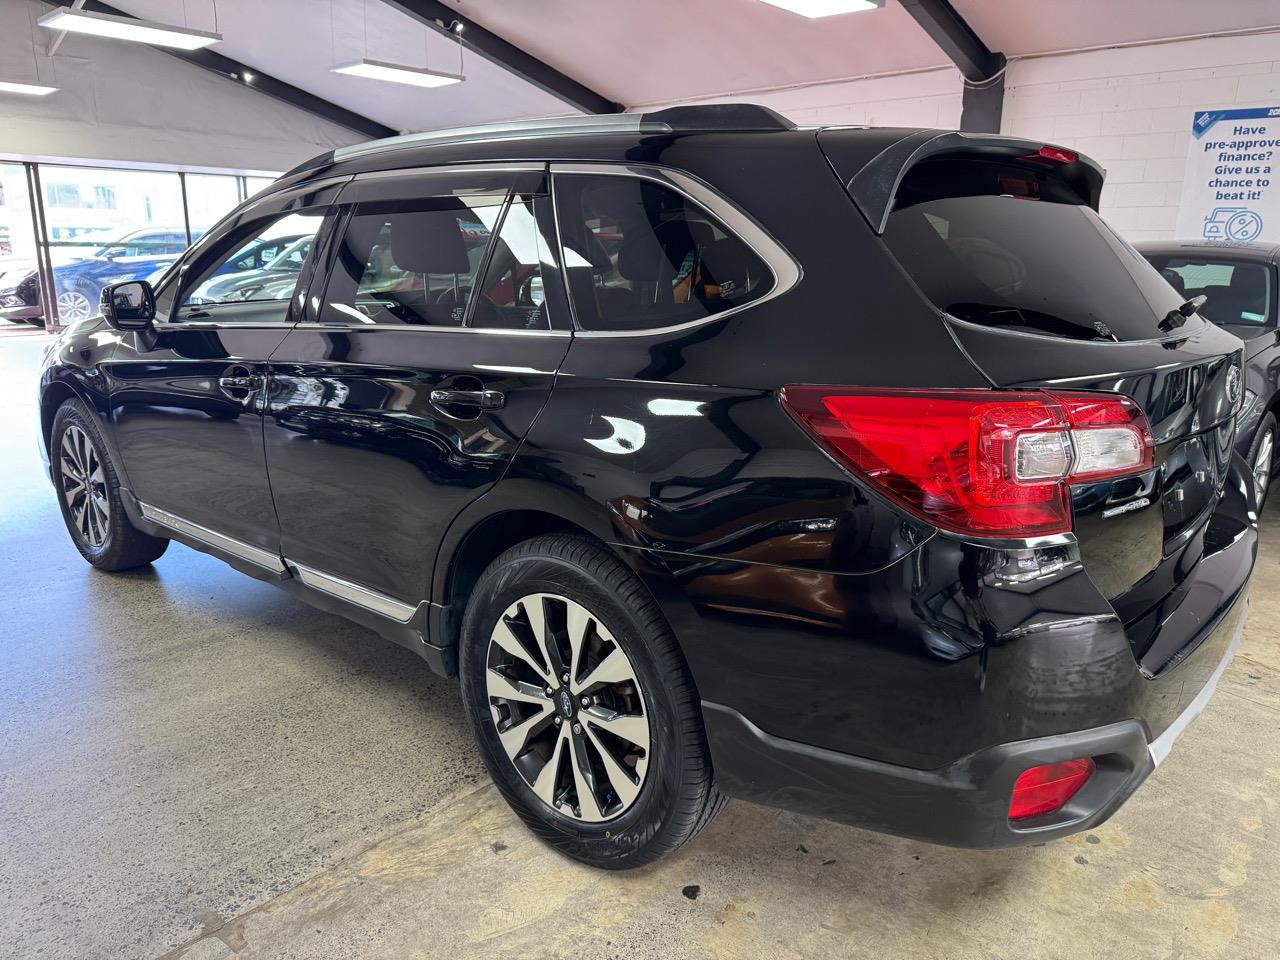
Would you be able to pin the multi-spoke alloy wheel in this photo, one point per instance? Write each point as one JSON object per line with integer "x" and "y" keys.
{"x": 568, "y": 707}
{"x": 582, "y": 703}
{"x": 84, "y": 486}
{"x": 1262, "y": 460}
{"x": 73, "y": 306}
{"x": 89, "y": 494}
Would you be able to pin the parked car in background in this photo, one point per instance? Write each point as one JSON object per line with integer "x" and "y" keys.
{"x": 281, "y": 258}
{"x": 855, "y": 471}
{"x": 1239, "y": 282}
{"x": 80, "y": 271}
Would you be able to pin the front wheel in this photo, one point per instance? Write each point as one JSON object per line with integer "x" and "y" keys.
{"x": 89, "y": 495}
{"x": 582, "y": 704}
{"x": 1262, "y": 457}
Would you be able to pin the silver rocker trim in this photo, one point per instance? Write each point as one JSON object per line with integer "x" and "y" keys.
{"x": 354, "y": 593}
{"x": 327, "y": 583}
{"x": 237, "y": 548}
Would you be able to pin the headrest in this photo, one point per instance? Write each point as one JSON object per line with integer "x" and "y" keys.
{"x": 429, "y": 241}
{"x": 655, "y": 255}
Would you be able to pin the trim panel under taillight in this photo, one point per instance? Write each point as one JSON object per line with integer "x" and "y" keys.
{"x": 988, "y": 463}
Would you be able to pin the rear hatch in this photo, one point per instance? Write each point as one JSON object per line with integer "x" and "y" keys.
{"x": 1002, "y": 236}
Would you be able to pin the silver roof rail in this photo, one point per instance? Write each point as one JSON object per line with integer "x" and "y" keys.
{"x": 727, "y": 116}
{"x": 523, "y": 129}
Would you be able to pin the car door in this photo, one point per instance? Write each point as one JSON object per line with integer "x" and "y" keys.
{"x": 405, "y": 394}
{"x": 186, "y": 397}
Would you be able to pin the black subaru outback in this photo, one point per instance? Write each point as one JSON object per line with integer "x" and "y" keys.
{"x": 855, "y": 471}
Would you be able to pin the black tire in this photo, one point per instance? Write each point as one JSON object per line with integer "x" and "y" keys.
{"x": 124, "y": 546}
{"x": 677, "y": 797}
{"x": 1267, "y": 428}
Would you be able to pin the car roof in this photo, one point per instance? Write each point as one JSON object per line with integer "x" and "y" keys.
{"x": 871, "y": 160}
{"x": 1251, "y": 252}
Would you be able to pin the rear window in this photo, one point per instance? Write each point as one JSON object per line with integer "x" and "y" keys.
{"x": 1238, "y": 294}
{"x": 1002, "y": 245}
{"x": 638, "y": 255}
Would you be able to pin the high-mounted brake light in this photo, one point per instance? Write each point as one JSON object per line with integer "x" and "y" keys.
{"x": 1048, "y": 787}
{"x": 987, "y": 463}
{"x": 1048, "y": 154}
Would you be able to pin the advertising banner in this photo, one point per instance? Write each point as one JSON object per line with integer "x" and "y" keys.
{"x": 1230, "y": 191}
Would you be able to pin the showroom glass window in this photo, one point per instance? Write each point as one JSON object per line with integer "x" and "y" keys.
{"x": 105, "y": 226}
{"x": 255, "y": 275}
{"x": 1239, "y": 294}
{"x": 17, "y": 247}
{"x": 639, "y": 255}
{"x": 411, "y": 261}
{"x": 210, "y": 197}
{"x": 513, "y": 294}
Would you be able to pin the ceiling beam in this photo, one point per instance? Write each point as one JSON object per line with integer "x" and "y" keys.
{"x": 255, "y": 79}
{"x": 981, "y": 68}
{"x": 445, "y": 19}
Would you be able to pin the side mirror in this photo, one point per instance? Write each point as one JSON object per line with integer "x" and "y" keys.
{"x": 130, "y": 305}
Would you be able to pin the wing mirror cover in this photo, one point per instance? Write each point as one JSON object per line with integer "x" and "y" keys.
{"x": 130, "y": 305}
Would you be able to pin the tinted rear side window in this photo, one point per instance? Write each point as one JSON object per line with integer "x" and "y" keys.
{"x": 1238, "y": 294}
{"x": 639, "y": 255}
{"x": 1003, "y": 246}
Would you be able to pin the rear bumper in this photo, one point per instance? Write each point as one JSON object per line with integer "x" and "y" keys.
{"x": 964, "y": 803}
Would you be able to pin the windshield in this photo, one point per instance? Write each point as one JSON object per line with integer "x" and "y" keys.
{"x": 1238, "y": 293}
{"x": 1000, "y": 246}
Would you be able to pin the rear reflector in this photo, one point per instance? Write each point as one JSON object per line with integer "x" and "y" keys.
{"x": 1047, "y": 788}
{"x": 981, "y": 462}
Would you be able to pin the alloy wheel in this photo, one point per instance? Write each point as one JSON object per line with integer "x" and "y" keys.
{"x": 568, "y": 707}
{"x": 1262, "y": 464}
{"x": 84, "y": 486}
{"x": 73, "y": 306}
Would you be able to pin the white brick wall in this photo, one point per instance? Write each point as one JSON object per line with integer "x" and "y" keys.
{"x": 1131, "y": 111}
{"x": 929, "y": 98}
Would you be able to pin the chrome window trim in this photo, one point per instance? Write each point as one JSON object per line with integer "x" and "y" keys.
{"x": 354, "y": 593}
{"x": 427, "y": 328}
{"x": 785, "y": 268}
{"x": 479, "y": 166}
{"x": 238, "y": 548}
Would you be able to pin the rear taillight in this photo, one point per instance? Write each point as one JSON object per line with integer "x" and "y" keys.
{"x": 982, "y": 462}
{"x": 1047, "y": 788}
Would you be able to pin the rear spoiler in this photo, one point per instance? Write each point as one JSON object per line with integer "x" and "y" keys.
{"x": 872, "y": 162}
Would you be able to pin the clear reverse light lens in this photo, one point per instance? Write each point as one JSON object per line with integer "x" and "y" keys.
{"x": 1042, "y": 456}
{"x": 1107, "y": 449}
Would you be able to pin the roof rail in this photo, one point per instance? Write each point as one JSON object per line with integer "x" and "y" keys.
{"x": 716, "y": 116}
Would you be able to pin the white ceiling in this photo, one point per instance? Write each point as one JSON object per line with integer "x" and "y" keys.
{"x": 649, "y": 52}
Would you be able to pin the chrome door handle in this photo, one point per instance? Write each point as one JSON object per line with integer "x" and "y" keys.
{"x": 484, "y": 399}
{"x": 236, "y": 383}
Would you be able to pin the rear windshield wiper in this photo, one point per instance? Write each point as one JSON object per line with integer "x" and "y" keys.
{"x": 1178, "y": 316}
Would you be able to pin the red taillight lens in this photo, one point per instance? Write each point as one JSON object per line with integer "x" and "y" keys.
{"x": 983, "y": 462}
{"x": 1047, "y": 788}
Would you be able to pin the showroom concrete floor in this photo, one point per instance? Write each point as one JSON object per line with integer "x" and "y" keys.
{"x": 195, "y": 765}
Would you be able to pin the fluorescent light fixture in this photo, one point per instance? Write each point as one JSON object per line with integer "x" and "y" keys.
{"x": 398, "y": 73}
{"x": 34, "y": 89}
{"x": 127, "y": 28}
{"x": 825, "y": 8}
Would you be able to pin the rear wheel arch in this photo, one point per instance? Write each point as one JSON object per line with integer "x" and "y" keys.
{"x": 474, "y": 550}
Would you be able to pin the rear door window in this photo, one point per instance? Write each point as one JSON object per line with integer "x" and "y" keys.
{"x": 1003, "y": 246}
{"x": 513, "y": 294}
{"x": 411, "y": 261}
{"x": 1237, "y": 293}
{"x": 639, "y": 255}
